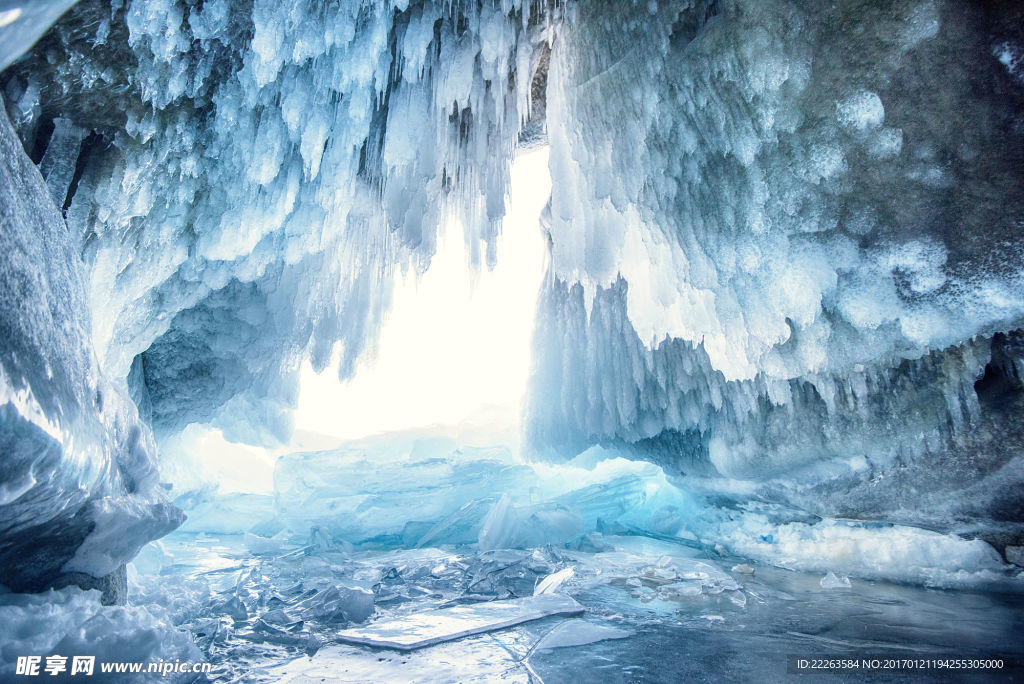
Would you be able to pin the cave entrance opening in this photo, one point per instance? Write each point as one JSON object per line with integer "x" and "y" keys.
{"x": 455, "y": 345}
{"x": 453, "y": 355}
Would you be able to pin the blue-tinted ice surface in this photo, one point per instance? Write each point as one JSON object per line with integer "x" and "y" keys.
{"x": 784, "y": 245}
{"x": 264, "y": 582}
{"x": 260, "y": 585}
{"x": 423, "y": 489}
{"x": 655, "y": 610}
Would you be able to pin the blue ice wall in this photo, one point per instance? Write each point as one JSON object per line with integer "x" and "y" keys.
{"x": 785, "y": 246}
{"x": 78, "y": 480}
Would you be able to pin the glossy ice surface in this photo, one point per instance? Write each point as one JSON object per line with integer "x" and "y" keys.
{"x": 654, "y": 611}
{"x": 418, "y": 630}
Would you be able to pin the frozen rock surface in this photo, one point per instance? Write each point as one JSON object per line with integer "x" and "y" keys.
{"x": 79, "y": 490}
{"x": 22, "y": 22}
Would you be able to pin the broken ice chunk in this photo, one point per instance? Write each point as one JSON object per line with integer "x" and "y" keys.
{"x": 592, "y": 542}
{"x": 507, "y": 573}
{"x": 339, "y": 604}
{"x": 553, "y": 581}
{"x": 499, "y": 527}
{"x": 643, "y": 593}
{"x": 580, "y": 632}
{"x": 446, "y": 624}
{"x": 680, "y": 590}
{"x": 834, "y": 581}
{"x": 234, "y": 609}
{"x": 658, "y": 575}
{"x": 508, "y": 526}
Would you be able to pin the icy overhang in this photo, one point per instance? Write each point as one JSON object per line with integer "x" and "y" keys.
{"x": 244, "y": 181}
{"x": 226, "y": 189}
{"x": 786, "y": 243}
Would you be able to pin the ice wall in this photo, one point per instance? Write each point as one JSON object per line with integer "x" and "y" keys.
{"x": 251, "y": 174}
{"x": 783, "y": 234}
{"x": 78, "y": 484}
{"x": 22, "y": 22}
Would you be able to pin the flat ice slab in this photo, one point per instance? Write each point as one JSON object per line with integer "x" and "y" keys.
{"x": 446, "y": 624}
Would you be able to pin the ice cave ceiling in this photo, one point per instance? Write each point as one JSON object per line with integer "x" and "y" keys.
{"x": 785, "y": 238}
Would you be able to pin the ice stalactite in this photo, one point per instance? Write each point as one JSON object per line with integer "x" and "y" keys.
{"x": 226, "y": 188}
{"x": 783, "y": 235}
{"x": 253, "y": 174}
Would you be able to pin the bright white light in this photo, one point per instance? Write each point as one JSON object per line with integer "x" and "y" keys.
{"x": 450, "y": 348}
{"x": 9, "y": 16}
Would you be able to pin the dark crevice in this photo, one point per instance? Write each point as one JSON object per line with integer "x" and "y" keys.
{"x": 42, "y": 140}
{"x": 1002, "y": 386}
{"x": 93, "y": 144}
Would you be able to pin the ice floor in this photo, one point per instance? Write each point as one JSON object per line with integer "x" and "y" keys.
{"x": 486, "y": 562}
{"x": 478, "y": 566}
{"x": 654, "y": 611}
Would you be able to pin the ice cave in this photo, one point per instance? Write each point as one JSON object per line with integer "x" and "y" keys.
{"x": 511, "y": 340}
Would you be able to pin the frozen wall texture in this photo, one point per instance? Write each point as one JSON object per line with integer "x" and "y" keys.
{"x": 78, "y": 482}
{"x": 219, "y": 189}
{"x": 243, "y": 178}
{"x": 784, "y": 236}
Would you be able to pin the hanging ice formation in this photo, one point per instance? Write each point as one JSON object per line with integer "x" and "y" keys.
{"x": 786, "y": 247}
{"x": 785, "y": 238}
{"x": 241, "y": 181}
